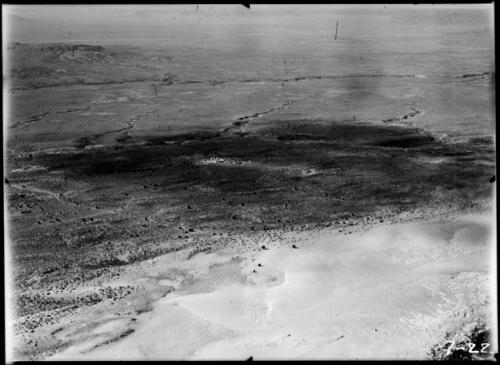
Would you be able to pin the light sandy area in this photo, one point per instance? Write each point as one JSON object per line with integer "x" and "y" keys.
{"x": 392, "y": 291}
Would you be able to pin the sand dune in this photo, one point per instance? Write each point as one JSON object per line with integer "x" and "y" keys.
{"x": 389, "y": 292}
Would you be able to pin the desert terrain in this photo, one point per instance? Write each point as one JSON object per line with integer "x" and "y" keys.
{"x": 227, "y": 183}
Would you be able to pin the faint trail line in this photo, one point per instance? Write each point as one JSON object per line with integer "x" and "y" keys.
{"x": 479, "y": 75}
{"x": 37, "y": 190}
{"x": 247, "y": 118}
{"x": 35, "y": 118}
{"x": 26, "y": 123}
{"x": 59, "y": 197}
{"x": 412, "y": 114}
{"x": 327, "y": 77}
{"x": 216, "y": 82}
{"x": 213, "y": 82}
{"x": 88, "y": 107}
{"x": 130, "y": 124}
{"x": 36, "y": 87}
{"x": 242, "y": 121}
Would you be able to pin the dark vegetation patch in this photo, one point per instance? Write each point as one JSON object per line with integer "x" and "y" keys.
{"x": 179, "y": 138}
{"x": 345, "y": 132}
{"x": 406, "y": 142}
{"x": 135, "y": 202}
{"x": 487, "y": 140}
{"x": 300, "y": 137}
{"x": 31, "y": 303}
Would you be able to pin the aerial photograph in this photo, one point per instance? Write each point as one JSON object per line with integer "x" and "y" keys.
{"x": 249, "y": 182}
